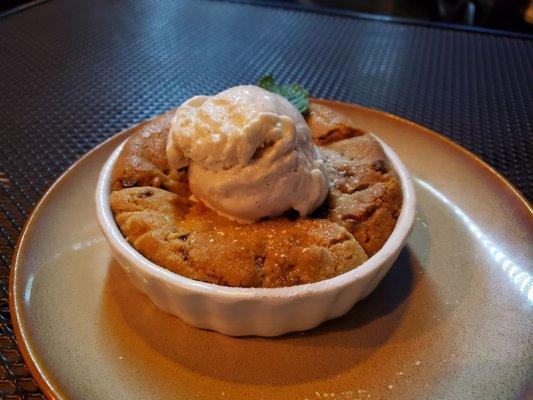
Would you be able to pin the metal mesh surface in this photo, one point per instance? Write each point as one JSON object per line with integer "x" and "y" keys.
{"x": 74, "y": 73}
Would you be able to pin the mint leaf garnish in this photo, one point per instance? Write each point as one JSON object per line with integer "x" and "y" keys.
{"x": 295, "y": 93}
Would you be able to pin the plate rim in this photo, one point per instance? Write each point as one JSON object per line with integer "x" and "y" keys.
{"x": 46, "y": 383}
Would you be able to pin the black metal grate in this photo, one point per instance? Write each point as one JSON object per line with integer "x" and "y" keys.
{"x": 74, "y": 73}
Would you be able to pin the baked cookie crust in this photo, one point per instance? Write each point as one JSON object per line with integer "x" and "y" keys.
{"x": 153, "y": 211}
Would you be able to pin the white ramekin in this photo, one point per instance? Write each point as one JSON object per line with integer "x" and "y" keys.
{"x": 254, "y": 311}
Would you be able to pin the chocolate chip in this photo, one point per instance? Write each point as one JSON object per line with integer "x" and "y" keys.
{"x": 184, "y": 254}
{"x": 259, "y": 261}
{"x": 379, "y": 166}
{"x": 146, "y": 193}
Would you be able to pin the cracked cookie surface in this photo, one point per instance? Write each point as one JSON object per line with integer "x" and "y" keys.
{"x": 193, "y": 241}
{"x": 153, "y": 211}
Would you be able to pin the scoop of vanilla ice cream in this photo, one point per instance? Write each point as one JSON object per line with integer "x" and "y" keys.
{"x": 249, "y": 153}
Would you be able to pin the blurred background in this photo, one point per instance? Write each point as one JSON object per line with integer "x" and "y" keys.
{"x": 515, "y": 15}
{"x": 510, "y": 15}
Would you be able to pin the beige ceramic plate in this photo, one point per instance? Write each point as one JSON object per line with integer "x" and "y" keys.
{"x": 452, "y": 319}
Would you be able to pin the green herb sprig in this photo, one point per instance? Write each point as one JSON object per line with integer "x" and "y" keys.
{"x": 295, "y": 93}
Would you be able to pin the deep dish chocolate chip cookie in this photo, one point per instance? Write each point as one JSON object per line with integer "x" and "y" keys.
{"x": 153, "y": 210}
